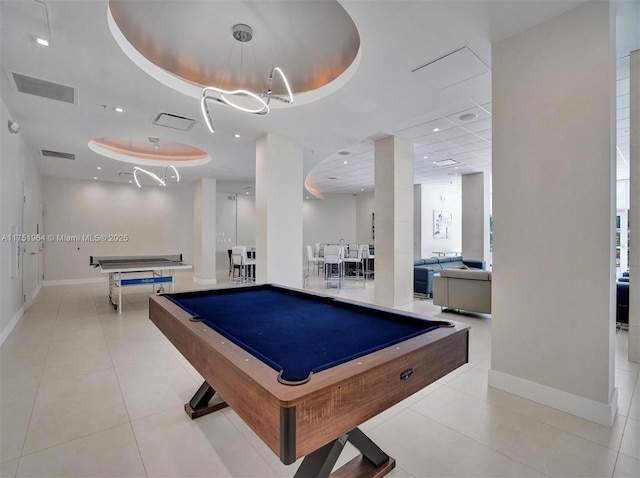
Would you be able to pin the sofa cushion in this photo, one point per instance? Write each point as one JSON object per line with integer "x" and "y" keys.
{"x": 472, "y": 274}
{"x": 418, "y": 262}
{"x": 443, "y": 260}
{"x": 420, "y": 273}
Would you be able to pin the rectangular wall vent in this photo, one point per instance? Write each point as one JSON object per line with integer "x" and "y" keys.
{"x": 446, "y": 162}
{"x": 45, "y": 89}
{"x": 57, "y": 154}
{"x": 174, "y": 121}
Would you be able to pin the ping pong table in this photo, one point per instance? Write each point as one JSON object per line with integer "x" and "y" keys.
{"x": 138, "y": 270}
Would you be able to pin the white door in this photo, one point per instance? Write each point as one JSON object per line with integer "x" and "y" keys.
{"x": 30, "y": 247}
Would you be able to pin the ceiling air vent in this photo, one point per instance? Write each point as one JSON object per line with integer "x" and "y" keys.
{"x": 174, "y": 121}
{"x": 446, "y": 162}
{"x": 45, "y": 89}
{"x": 57, "y": 154}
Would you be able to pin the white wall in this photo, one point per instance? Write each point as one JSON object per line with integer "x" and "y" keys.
{"x": 364, "y": 210}
{"x": 440, "y": 199}
{"x": 17, "y": 166}
{"x": 475, "y": 216}
{"x": 156, "y": 221}
{"x": 330, "y": 219}
{"x": 246, "y": 220}
{"x": 236, "y": 222}
{"x": 226, "y": 223}
{"x": 553, "y": 328}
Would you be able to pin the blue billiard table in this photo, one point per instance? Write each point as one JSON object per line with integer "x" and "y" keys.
{"x": 304, "y": 370}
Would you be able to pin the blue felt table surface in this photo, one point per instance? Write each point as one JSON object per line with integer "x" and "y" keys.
{"x": 296, "y": 334}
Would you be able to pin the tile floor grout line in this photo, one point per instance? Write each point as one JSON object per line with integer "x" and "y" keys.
{"x": 500, "y": 452}
{"x": 543, "y": 422}
{"x": 35, "y": 399}
{"x": 624, "y": 429}
{"x": 135, "y": 438}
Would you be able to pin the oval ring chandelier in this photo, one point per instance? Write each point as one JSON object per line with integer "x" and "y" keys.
{"x": 260, "y": 101}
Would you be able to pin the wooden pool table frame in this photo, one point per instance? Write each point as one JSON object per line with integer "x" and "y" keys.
{"x": 295, "y": 421}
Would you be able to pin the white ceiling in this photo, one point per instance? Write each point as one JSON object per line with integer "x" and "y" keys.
{"x": 384, "y": 96}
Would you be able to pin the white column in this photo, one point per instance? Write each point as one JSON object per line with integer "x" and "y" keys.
{"x": 204, "y": 232}
{"x": 417, "y": 222}
{"x": 553, "y": 324}
{"x": 634, "y": 210}
{"x": 475, "y": 216}
{"x": 393, "y": 158}
{"x": 279, "y": 248}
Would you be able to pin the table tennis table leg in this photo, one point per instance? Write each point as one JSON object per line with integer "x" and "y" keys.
{"x": 119, "y": 292}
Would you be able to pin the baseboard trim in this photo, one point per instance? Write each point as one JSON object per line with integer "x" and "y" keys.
{"x": 35, "y": 292}
{"x": 86, "y": 280}
{"x": 197, "y": 280}
{"x": 601, "y": 413}
{"x": 10, "y": 326}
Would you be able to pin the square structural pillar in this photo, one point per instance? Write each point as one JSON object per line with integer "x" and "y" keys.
{"x": 204, "y": 232}
{"x": 393, "y": 157}
{"x": 476, "y": 207}
{"x": 279, "y": 248}
{"x": 554, "y": 171}
{"x": 634, "y": 208}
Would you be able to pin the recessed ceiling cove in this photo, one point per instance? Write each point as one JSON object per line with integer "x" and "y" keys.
{"x": 191, "y": 44}
{"x": 149, "y": 151}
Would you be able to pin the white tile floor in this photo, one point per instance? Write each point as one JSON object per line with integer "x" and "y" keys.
{"x": 88, "y": 392}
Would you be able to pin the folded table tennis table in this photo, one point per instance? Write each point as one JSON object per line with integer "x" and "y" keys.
{"x": 137, "y": 270}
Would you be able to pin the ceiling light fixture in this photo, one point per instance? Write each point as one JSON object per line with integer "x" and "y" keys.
{"x": 435, "y": 130}
{"x": 137, "y": 170}
{"x": 468, "y": 116}
{"x": 161, "y": 181}
{"x": 118, "y": 109}
{"x": 42, "y": 41}
{"x": 345, "y": 162}
{"x": 259, "y": 101}
{"x": 99, "y": 167}
{"x": 236, "y": 135}
{"x": 13, "y": 126}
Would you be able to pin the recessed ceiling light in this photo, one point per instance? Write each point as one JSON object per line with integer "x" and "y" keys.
{"x": 130, "y": 181}
{"x": 435, "y": 130}
{"x": 468, "y": 116}
{"x": 95, "y": 177}
{"x": 236, "y": 135}
{"x": 457, "y": 167}
{"x": 306, "y": 197}
{"x": 345, "y": 162}
{"x": 344, "y": 153}
{"x": 118, "y": 109}
{"x": 361, "y": 189}
{"x": 425, "y": 157}
{"x": 99, "y": 167}
{"x": 155, "y": 146}
{"x": 247, "y": 192}
{"x": 42, "y": 41}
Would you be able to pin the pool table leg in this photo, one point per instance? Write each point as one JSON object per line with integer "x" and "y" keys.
{"x": 199, "y": 403}
{"x": 373, "y": 462}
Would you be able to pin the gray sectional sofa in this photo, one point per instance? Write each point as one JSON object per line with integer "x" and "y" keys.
{"x": 424, "y": 271}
